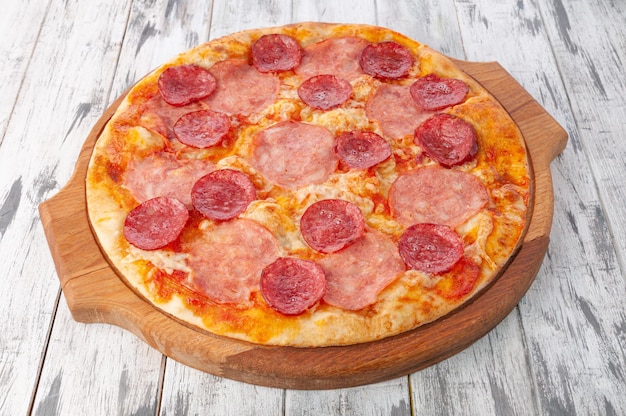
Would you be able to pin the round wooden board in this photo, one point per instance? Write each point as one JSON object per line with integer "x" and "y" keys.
{"x": 94, "y": 292}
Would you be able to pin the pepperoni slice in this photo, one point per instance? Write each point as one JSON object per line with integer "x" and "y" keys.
{"x": 223, "y": 194}
{"x": 362, "y": 149}
{"x": 325, "y": 91}
{"x": 433, "y": 93}
{"x": 155, "y": 223}
{"x": 447, "y": 139}
{"x": 275, "y": 53}
{"x": 180, "y": 85}
{"x": 331, "y": 224}
{"x": 202, "y": 128}
{"x": 386, "y": 60}
{"x": 291, "y": 286}
{"x": 430, "y": 248}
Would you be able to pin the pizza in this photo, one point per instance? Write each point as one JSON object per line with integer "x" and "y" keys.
{"x": 309, "y": 185}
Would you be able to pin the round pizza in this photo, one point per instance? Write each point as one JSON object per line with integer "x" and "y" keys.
{"x": 309, "y": 185}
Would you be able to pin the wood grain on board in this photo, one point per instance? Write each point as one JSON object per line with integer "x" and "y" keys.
{"x": 94, "y": 293}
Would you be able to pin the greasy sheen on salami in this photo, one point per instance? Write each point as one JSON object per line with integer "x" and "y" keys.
{"x": 386, "y": 60}
{"x": 292, "y": 285}
{"x": 275, "y": 53}
{"x": 155, "y": 223}
{"x": 447, "y": 139}
{"x": 362, "y": 149}
{"x": 183, "y": 84}
{"x": 325, "y": 91}
{"x": 223, "y": 194}
{"x": 331, "y": 224}
{"x": 433, "y": 93}
{"x": 430, "y": 248}
{"x": 202, "y": 128}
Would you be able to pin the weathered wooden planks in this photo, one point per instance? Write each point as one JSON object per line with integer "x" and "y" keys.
{"x": 27, "y": 305}
{"x": 573, "y": 344}
{"x": 94, "y": 294}
{"x": 79, "y": 48}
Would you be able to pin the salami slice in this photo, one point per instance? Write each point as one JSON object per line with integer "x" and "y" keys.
{"x": 241, "y": 89}
{"x": 275, "y": 53}
{"x": 335, "y": 56}
{"x": 447, "y": 139}
{"x": 293, "y": 154}
{"x": 433, "y": 93}
{"x": 362, "y": 149}
{"x": 436, "y": 195}
{"x": 331, "y": 224}
{"x": 291, "y": 286}
{"x": 223, "y": 194}
{"x": 394, "y": 109}
{"x": 202, "y": 128}
{"x": 357, "y": 274}
{"x": 430, "y": 248}
{"x": 183, "y": 84}
{"x": 325, "y": 91}
{"x": 386, "y": 60}
{"x": 155, "y": 223}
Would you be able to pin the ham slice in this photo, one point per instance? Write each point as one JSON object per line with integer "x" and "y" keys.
{"x": 338, "y": 57}
{"x": 395, "y": 110}
{"x": 169, "y": 176}
{"x": 241, "y": 89}
{"x": 357, "y": 274}
{"x": 228, "y": 259}
{"x": 436, "y": 195}
{"x": 293, "y": 154}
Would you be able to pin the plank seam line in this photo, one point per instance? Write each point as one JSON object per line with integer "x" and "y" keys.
{"x": 411, "y": 397}
{"x": 284, "y": 400}
{"x": 44, "y": 352}
{"x": 160, "y": 387}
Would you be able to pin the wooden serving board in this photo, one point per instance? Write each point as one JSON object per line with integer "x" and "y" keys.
{"x": 94, "y": 292}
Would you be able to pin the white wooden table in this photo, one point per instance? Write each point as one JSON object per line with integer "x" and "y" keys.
{"x": 561, "y": 351}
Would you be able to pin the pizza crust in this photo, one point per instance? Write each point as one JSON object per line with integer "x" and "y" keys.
{"x": 491, "y": 236}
